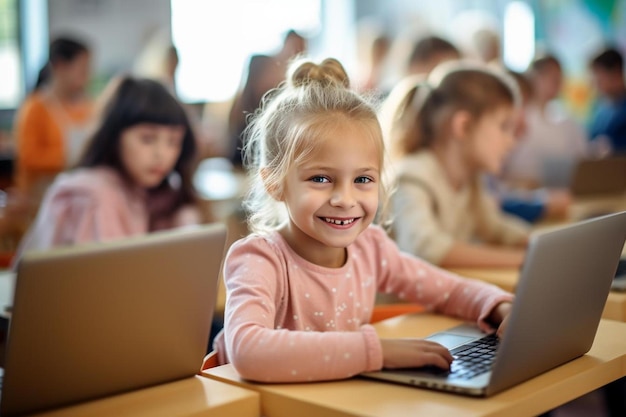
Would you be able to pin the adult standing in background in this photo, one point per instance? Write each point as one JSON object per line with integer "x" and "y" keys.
{"x": 609, "y": 117}
{"x": 51, "y": 125}
{"x": 264, "y": 73}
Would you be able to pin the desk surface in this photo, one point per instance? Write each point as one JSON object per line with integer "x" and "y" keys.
{"x": 584, "y": 207}
{"x": 605, "y": 362}
{"x": 195, "y": 396}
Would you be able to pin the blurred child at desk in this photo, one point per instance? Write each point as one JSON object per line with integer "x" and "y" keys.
{"x": 530, "y": 205}
{"x": 445, "y": 133}
{"x": 51, "y": 125}
{"x": 302, "y": 287}
{"x": 133, "y": 178}
{"x": 609, "y": 117}
{"x": 553, "y": 142}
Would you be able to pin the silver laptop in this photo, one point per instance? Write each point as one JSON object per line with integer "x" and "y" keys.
{"x": 563, "y": 287}
{"x": 619, "y": 282}
{"x": 101, "y": 319}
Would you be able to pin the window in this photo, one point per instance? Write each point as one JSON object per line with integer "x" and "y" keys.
{"x": 519, "y": 35}
{"x": 11, "y": 87}
{"x": 214, "y": 40}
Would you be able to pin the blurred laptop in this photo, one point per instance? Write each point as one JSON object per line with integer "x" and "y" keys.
{"x": 586, "y": 177}
{"x": 101, "y": 319}
{"x": 563, "y": 287}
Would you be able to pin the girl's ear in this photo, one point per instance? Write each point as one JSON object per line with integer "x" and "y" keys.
{"x": 461, "y": 124}
{"x": 272, "y": 189}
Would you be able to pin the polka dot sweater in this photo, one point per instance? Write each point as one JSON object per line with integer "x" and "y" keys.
{"x": 288, "y": 320}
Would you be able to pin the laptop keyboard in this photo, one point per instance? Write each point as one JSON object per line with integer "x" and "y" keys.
{"x": 474, "y": 358}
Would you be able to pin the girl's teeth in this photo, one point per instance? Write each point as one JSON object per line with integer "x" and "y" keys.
{"x": 338, "y": 222}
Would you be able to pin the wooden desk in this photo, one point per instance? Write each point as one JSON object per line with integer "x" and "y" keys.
{"x": 195, "y": 396}
{"x": 605, "y": 362}
{"x": 584, "y": 207}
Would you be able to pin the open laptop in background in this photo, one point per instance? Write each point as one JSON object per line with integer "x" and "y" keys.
{"x": 101, "y": 319}
{"x": 563, "y": 287}
{"x": 599, "y": 176}
{"x": 587, "y": 177}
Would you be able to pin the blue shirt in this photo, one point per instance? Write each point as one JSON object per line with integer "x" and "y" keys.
{"x": 609, "y": 119}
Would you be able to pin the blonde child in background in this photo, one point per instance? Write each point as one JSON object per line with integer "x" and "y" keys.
{"x": 445, "y": 132}
{"x": 301, "y": 288}
{"x": 133, "y": 178}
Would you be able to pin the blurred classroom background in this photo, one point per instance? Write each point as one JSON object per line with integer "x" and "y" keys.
{"x": 201, "y": 49}
{"x": 215, "y": 39}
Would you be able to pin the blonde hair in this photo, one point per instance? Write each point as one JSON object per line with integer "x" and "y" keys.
{"x": 418, "y": 111}
{"x": 283, "y": 132}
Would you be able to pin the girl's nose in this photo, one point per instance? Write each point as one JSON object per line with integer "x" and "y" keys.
{"x": 160, "y": 150}
{"x": 343, "y": 196}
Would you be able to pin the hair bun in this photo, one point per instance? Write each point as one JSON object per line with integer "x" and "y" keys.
{"x": 329, "y": 71}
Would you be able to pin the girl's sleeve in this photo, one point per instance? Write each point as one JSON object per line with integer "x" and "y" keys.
{"x": 188, "y": 215}
{"x": 73, "y": 217}
{"x": 416, "y": 228}
{"x": 260, "y": 349}
{"x": 413, "y": 279}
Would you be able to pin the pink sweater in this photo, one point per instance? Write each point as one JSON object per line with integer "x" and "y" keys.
{"x": 289, "y": 320}
{"x": 92, "y": 205}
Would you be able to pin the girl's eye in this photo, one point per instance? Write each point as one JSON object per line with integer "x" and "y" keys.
{"x": 319, "y": 179}
{"x": 363, "y": 180}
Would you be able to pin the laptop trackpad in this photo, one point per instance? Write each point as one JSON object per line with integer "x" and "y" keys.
{"x": 450, "y": 341}
{"x": 456, "y": 336}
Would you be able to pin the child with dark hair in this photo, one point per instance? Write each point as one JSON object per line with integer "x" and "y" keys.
{"x": 134, "y": 177}
{"x": 430, "y": 51}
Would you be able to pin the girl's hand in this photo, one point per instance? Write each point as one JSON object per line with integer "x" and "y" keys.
{"x": 411, "y": 353}
{"x": 500, "y": 316}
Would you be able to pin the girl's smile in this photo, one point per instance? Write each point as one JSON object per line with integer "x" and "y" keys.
{"x": 340, "y": 223}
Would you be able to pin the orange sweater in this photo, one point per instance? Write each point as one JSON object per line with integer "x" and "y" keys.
{"x": 40, "y": 136}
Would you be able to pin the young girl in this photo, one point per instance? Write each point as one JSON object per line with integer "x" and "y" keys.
{"x": 133, "y": 178}
{"x": 301, "y": 288}
{"x": 445, "y": 133}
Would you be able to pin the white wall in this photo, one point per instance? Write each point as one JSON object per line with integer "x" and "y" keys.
{"x": 117, "y": 30}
